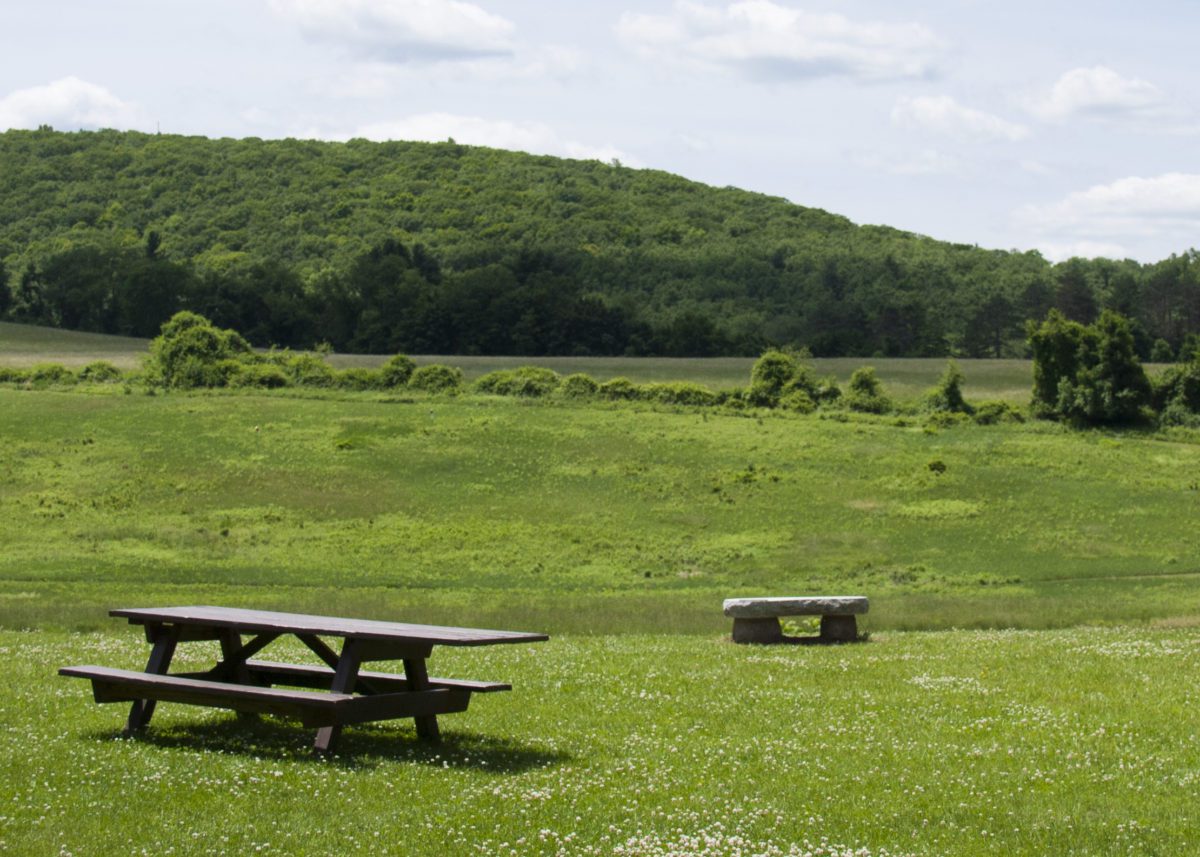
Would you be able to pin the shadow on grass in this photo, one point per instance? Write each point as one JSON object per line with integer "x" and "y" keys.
{"x": 362, "y": 747}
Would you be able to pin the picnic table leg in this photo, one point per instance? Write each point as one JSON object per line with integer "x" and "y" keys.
{"x": 418, "y": 679}
{"x": 165, "y": 639}
{"x": 344, "y": 678}
{"x": 231, "y": 644}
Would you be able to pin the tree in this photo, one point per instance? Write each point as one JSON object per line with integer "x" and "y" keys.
{"x": 1088, "y": 375}
{"x": 6, "y": 297}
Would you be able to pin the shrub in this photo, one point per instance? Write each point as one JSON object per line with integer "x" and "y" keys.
{"x": 10, "y": 375}
{"x": 308, "y": 370}
{"x": 991, "y": 413}
{"x": 358, "y": 378}
{"x": 680, "y": 393}
{"x": 50, "y": 373}
{"x": 578, "y": 386}
{"x": 522, "y": 381}
{"x": 866, "y": 392}
{"x": 770, "y": 373}
{"x": 189, "y": 350}
{"x": 263, "y": 375}
{"x": 397, "y": 371}
{"x": 100, "y": 372}
{"x": 799, "y": 401}
{"x": 1161, "y": 352}
{"x": 947, "y": 419}
{"x": 619, "y": 389}
{"x": 947, "y": 396}
{"x": 437, "y": 378}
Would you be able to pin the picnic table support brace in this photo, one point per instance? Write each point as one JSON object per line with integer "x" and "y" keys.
{"x": 165, "y": 639}
{"x": 418, "y": 679}
{"x": 344, "y": 678}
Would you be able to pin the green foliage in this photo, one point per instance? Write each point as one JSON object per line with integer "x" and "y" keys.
{"x": 947, "y": 396}
{"x": 1088, "y": 375}
{"x": 679, "y": 393}
{"x": 532, "y": 381}
{"x": 1161, "y": 352}
{"x": 578, "y": 385}
{"x": 359, "y": 378}
{"x": 865, "y": 392}
{"x": 619, "y": 389}
{"x": 308, "y": 370}
{"x": 397, "y": 370}
{"x": 769, "y": 375}
{"x": 425, "y": 248}
{"x": 100, "y": 372}
{"x": 267, "y": 376}
{"x": 994, "y": 413}
{"x": 191, "y": 352}
{"x": 44, "y": 374}
{"x": 437, "y": 378}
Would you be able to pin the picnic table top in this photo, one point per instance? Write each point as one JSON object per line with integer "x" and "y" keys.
{"x": 269, "y": 621}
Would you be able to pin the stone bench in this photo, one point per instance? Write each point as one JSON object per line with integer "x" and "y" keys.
{"x": 756, "y": 620}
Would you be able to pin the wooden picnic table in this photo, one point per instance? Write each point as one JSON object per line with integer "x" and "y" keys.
{"x": 345, "y": 694}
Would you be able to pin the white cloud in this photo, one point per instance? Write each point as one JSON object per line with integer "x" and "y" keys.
{"x": 69, "y": 104}
{"x": 401, "y": 30}
{"x": 533, "y": 137}
{"x": 1162, "y": 210}
{"x": 1099, "y": 91}
{"x": 770, "y": 41}
{"x": 943, "y": 115}
{"x": 1058, "y": 252}
{"x": 926, "y": 162}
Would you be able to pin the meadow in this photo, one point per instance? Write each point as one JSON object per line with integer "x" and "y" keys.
{"x": 1029, "y": 685}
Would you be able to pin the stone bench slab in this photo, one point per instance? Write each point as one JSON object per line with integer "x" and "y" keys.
{"x": 764, "y": 608}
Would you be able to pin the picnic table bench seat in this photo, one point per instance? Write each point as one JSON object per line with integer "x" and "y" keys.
{"x": 756, "y": 620}
{"x": 312, "y": 708}
{"x": 298, "y": 675}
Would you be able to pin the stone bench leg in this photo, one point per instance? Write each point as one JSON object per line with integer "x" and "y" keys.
{"x": 758, "y": 630}
{"x": 839, "y": 629}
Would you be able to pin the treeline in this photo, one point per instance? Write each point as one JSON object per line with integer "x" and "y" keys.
{"x": 442, "y": 248}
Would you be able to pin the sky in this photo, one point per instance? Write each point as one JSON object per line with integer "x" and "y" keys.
{"x": 1069, "y": 128}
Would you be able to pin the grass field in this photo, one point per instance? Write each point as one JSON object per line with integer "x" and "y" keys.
{"x": 1079, "y": 742}
{"x": 637, "y": 729}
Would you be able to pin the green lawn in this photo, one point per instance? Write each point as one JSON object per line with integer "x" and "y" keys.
{"x": 580, "y": 518}
{"x": 1079, "y": 742}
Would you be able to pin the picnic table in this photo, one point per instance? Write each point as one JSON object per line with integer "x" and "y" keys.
{"x": 344, "y": 693}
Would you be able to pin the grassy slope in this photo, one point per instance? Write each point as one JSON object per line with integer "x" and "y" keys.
{"x": 1065, "y": 743}
{"x": 496, "y": 511}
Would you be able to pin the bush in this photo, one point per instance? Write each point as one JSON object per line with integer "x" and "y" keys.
{"x": 578, "y": 386}
{"x": 866, "y": 392}
{"x": 679, "y": 393}
{"x": 619, "y": 389}
{"x": 50, "y": 373}
{"x": 1161, "y": 352}
{"x": 189, "y": 351}
{"x": 308, "y": 370}
{"x": 522, "y": 381}
{"x": 9, "y": 375}
{"x": 770, "y": 373}
{"x": 992, "y": 413}
{"x": 358, "y": 378}
{"x": 267, "y": 376}
{"x": 100, "y": 372}
{"x": 437, "y": 378}
{"x": 799, "y": 401}
{"x": 397, "y": 371}
{"x": 947, "y": 396}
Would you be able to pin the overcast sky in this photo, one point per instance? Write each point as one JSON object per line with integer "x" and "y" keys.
{"x": 1071, "y": 128}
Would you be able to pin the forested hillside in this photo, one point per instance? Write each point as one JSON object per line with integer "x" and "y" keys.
{"x": 443, "y": 248}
